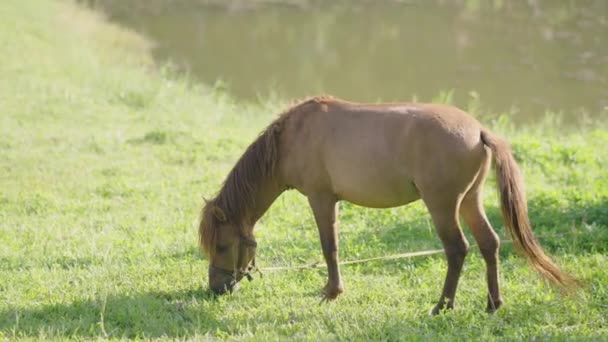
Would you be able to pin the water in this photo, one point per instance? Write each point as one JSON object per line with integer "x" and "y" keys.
{"x": 525, "y": 57}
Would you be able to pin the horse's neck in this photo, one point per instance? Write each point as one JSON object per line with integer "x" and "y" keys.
{"x": 267, "y": 194}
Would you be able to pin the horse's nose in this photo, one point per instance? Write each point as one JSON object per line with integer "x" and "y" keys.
{"x": 221, "y": 283}
{"x": 220, "y": 289}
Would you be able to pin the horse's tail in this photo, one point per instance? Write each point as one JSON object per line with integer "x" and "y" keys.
{"x": 515, "y": 211}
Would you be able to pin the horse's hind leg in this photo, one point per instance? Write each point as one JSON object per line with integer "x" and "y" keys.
{"x": 488, "y": 243}
{"x": 444, "y": 212}
{"x": 474, "y": 215}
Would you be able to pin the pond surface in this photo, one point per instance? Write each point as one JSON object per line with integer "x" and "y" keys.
{"x": 521, "y": 56}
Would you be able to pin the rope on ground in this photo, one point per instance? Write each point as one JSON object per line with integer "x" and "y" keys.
{"x": 319, "y": 264}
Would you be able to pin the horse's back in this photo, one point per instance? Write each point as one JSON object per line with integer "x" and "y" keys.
{"x": 379, "y": 155}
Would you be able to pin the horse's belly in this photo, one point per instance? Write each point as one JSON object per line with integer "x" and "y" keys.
{"x": 377, "y": 193}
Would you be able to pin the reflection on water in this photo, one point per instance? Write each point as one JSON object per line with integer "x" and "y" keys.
{"x": 531, "y": 55}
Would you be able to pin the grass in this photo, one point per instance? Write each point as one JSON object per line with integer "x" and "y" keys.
{"x": 104, "y": 160}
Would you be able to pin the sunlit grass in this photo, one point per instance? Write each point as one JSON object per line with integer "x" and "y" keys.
{"x": 103, "y": 164}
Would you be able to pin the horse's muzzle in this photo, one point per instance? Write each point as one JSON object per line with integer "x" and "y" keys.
{"x": 230, "y": 286}
{"x": 222, "y": 281}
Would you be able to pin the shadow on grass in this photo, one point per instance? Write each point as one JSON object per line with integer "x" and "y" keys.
{"x": 578, "y": 227}
{"x": 149, "y": 315}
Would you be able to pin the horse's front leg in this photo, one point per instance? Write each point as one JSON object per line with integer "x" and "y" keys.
{"x": 325, "y": 209}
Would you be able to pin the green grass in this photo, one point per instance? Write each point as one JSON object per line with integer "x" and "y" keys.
{"x": 104, "y": 160}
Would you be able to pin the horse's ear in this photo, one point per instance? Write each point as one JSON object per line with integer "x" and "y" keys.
{"x": 219, "y": 213}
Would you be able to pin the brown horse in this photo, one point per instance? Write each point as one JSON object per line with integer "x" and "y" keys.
{"x": 379, "y": 156}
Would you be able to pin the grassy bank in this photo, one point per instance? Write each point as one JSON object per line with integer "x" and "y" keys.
{"x": 104, "y": 160}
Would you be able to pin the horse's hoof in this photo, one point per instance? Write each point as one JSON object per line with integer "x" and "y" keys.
{"x": 493, "y": 305}
{"x": 435, "y": 311}
{"x": 442, "y": 307}
{"x": 330, "y": 293}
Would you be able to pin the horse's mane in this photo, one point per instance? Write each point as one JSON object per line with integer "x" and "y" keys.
{"x": 237, "y": 194}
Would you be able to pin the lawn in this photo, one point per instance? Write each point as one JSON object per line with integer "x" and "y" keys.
{"x": 104, "y": 161}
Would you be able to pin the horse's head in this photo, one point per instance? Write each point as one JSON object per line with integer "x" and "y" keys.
{"x": 231, "y": 253}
